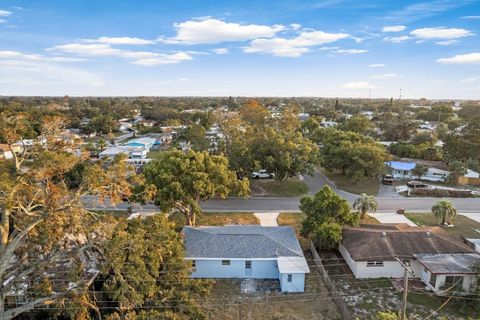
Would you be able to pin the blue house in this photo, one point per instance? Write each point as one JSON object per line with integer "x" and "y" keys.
{"x": 401, "y": 170}
{"x": 251, "y": 251}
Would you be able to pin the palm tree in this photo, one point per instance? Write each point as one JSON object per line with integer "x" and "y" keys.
{"x": 364, "y": 204}
{"x": 444, "y": 210}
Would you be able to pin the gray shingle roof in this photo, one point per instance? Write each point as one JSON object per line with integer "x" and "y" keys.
{"x": 455, "y": 263}
{"x": 241, "y": 242}
{"x": 370, "y": 242}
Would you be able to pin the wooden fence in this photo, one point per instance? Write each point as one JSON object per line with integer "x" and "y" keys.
{"x": 468, "y": 181}
{"x": 336, "y": 297}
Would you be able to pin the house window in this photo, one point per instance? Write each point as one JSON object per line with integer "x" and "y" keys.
{"x": 225, "y": 262}
{"x": 289, "y": 278}
{"x": 248, "y": 264}
{"x": 194, "y": 265}
{"x": 374, "y": 263}
{"x": 453, "y": 280}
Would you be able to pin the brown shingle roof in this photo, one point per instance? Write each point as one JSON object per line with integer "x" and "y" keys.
{"x": 369, "y": 243}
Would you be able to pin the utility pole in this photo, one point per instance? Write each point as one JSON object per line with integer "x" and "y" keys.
{"x": 400, "y": 96}
{"x": 403, "y": 311}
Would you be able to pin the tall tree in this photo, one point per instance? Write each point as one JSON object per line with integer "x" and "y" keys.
{"x": 444, "y": 211}
{"x": 253, "y": 113}
{"x": 326, "y": 213}
{"x": 365, "y": 204}
{"x": 43, "y": 228}
{"x": 184, "y": 179}
{"x": 145, "y": 268}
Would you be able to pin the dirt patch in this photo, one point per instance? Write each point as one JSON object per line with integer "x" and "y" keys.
{"x": 227, "y": 302}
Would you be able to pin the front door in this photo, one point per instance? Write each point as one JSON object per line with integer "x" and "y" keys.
{"x": 248, "y": 268}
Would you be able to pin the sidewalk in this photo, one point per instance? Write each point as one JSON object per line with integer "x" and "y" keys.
{"x": 267, "y": 219}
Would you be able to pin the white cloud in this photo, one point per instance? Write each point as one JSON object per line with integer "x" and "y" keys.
{"x": 164, "y": 59}
{"x": 377, "y": 65}
{"x": 3, "y": 20}
{"x": 295, "y": 26}
{"x": 393, "y": 28}
{"x": 470, "y": 80}
{"x": 35, "y": 57}
{"x": 220, "y": 50}
{"x": 144, "y": 58}
{"x": 358, "y": 85}
{"x": 350, "y": 51}
{"x": 440, "y": 33}
{"x": 469, "y": 58}
{"x": 120, "y": 40}
{"x": 397, "y": 39}
{"x": 470, "y": 17}
{"x": 328, "y": 48}
{"x": 5, "y": 13}
{"x": 26, "y": 71}
{"x": 447, "y": 42}
{"x": 293, "y": 47}
{"x": 209, "y": 30}
{"x": 386, "y": 76}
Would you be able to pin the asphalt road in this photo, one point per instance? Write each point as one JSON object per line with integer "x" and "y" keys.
{"x": 290, "y": 204}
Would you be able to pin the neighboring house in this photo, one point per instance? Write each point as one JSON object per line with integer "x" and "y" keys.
{"x": 124, "y": 126}
{"x": 303, "y": 116}
{"x": 328, "y": 124}
{"x": 435, "y": 174}
{"x": 131, "y": 151}
{"x": 449, "y": 272}
{"x": 247, "y": 251}
{"x": 5, "y": 152}
{"x": 401, "y": 170}
{"x": 370, "y": 252}
{"x": 404, "y": 171}
{"x": 145, "y": 142}
{"x": 470, "y": 178}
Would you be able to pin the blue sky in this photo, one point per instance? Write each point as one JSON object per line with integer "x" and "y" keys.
{"x": 332, "y": 48}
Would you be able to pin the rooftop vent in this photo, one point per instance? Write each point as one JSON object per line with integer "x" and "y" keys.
{"x": 428, "y": 234}
{"x": 384, "y": 235}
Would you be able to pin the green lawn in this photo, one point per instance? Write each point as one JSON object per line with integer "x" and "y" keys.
{"x": 463, "y": 226}
{"x": 155, "y": 154}
{"x": 269, "y": 187}
{"x": 217, "y": 218}
{"x": 368, "y": 186}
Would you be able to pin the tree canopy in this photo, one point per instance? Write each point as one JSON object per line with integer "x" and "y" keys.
{"x": 184, "y": 179}
{"x": 326, "y": 213}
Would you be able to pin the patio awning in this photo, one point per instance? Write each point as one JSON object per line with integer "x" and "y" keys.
{"x": 454, "y": 263}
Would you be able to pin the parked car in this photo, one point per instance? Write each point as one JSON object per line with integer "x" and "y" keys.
{"x": 417, "y": 185}
{"x": 387, "y": 179}
{"x": 262, "y": 174}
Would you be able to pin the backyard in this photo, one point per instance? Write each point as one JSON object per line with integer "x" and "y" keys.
{"x": 226, "y": 301}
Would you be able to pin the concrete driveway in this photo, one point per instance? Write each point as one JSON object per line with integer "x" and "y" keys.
{"x": 391, "y": 217}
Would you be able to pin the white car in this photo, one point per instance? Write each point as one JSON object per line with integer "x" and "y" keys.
{"x": 262, "y": 174}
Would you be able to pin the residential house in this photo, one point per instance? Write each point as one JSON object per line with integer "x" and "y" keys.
{"x": 328, "y": 124}
{"x": 144, "y": 142}
{"x": 404, "y": 171}
{"x": 247, "y": 251}
{"x": 444, "y": 272}
{"x": 5, "y": 152}
{"x": 371, "y": 251}
{"x": 401, "y": 170}
{"x": 132, "y": 152}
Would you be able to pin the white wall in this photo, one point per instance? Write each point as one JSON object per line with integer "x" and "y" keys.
{"x": 261, "y": 269}
{"x": 390, "y": 269}
{"x": 297, "y": 284}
